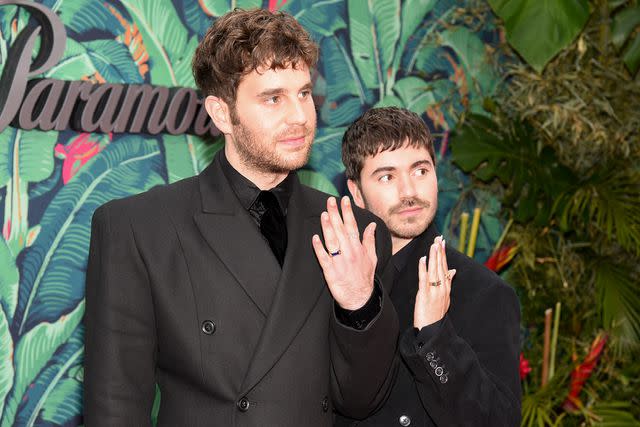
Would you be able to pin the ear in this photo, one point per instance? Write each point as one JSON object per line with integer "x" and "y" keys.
{"x": 219, "y": 112}
{"x": 354, "y": 189}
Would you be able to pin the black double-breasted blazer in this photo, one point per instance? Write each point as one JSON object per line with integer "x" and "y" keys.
{"x": 462, "y": 371}
{"x": 183, "y": 291}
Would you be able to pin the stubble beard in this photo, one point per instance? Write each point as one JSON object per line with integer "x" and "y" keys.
{"x": 258, "y": 156}
{"x": 410, "y": 227}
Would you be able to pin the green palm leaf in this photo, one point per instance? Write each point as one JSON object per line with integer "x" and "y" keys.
{"x": 9, "y": 279}
{"x": 609, "y": 198}
{"x": 220, "y": 7}
{"x": 53, "y": 269}
{"x": 6, "y": 358}
{"x": 618, "y": 302}
{"x": 188, "y": 155}
{"x": 374, "y": 31}
{"x": 33, "y": 350}
{"x": 317, "y": 181}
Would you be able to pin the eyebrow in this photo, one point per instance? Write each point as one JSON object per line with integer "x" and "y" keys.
{"x": 280, "y": 91}
{"x": 414, "y": 165}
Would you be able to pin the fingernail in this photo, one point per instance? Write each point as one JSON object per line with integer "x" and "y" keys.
{"x": 423, "y": 260}
{"x": 332, "y": 201}
{"x": 443, "y": 244}
{"x": 346, "y": 200}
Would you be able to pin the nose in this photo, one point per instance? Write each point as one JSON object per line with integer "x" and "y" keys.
{"x": 406, "y": 187}
{"x": 297, "y": 114}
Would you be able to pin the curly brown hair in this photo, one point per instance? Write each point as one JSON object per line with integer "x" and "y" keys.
{"x": 382, "y": 129}
{"x": 242, "y": 41}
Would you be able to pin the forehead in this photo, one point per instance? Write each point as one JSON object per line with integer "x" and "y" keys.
{"x": 283, "y": 78}
{"x": 403, "y": 157}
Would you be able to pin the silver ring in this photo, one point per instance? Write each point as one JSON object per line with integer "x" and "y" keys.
{"x": 338, "y": 252}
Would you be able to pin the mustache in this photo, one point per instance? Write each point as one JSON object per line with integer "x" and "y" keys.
{"x": 295, "y": 131}
{"x": 409, "y": 203}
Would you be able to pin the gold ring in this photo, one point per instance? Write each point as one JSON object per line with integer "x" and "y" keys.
{"x": 438, "y": 283}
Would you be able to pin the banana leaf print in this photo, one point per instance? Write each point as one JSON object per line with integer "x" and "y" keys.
{"x": 25, "y": 157}
{"x": 55, "y": 396}
{"x": 32, "y": 352}
{"x": 52, "y": 273}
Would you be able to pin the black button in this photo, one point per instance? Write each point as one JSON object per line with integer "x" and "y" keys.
{"x": 208, "y": 327}
{"x": 325, "y": 404}
{"x": 419, "y": 345}
{"x": 243, "y": 404}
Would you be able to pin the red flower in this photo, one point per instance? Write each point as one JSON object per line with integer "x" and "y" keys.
{"x": 77, "y": 153}
{"x": 501, "y": 256}
{"x": 273, "y": 4}
{"x": 582, "y": 372}
{"x": 524, "y": 367}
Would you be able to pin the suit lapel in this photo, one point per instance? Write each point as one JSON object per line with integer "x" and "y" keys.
{"x": 235, "y": 239}
{"x": 299, "y": 287}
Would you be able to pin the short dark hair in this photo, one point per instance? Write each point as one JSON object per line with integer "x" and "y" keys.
{"x": 382, "y": 129}
{"x": 241, "y": 41}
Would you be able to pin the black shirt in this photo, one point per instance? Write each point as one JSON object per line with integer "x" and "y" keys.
{"x": 247, "y": 193}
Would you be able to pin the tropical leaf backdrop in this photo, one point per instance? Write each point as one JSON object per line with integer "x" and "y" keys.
{"x": 431, "y": 56}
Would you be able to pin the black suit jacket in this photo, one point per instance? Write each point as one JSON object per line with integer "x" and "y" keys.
{"x": 476, "y": 346}
{"x": 183, "y": 290}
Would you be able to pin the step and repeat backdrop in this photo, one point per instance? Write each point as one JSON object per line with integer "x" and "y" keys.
{"x": 97, "y": 102}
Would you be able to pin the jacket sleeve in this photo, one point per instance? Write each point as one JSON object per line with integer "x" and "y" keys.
{"x": 363, "y": 360}
{"x": 120, "y": 341}
{"x": 471, "y": 384}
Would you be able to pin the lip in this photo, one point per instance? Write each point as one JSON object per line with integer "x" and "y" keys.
{"x": 410, "y": 211}
{"x": 293, "y": 141}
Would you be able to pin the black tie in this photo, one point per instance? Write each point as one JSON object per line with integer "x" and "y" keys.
{"x": 272, "y": 224}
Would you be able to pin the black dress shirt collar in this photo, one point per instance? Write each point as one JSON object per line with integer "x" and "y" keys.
{"x": 247, "y": 192}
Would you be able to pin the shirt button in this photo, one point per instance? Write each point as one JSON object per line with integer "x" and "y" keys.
{"x": 439, "y": 371}
{"x": 404, "y": 420}
{"x": 325, "y": 404}
{"x": 208, "y": 327}
{"x": 243, "y": 404}
{"x": 444, "y": 379}
{"x": 419, "y": 345}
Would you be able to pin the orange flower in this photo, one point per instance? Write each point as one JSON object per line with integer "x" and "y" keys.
{"x": 501, "y": 257}
{"x": 582, "y": 372}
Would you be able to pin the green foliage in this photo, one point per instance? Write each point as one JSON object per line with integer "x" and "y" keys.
{"x": 508, "y": 151}
{"x": 538, "y": 30}
{"x": 625, "y": 28}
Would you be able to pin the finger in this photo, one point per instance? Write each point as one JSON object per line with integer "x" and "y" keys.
{"x": 330, "y": 239}
{"x": 338, "y": 225}
{"x": 452, "y": 274}
{"x": 350, "y": 224}
{"x": 323, "y": 257}
{"x": 431, "y": 272}
{"x": 440, "y": 273}
{"x": 445, "y": 266}
{"x": 422, "y": 275}
{"x": 369, "y": 241}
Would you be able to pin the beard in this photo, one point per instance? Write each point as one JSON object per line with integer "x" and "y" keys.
{"x": 411, "y": 227}
{"x": 261, "y": 154}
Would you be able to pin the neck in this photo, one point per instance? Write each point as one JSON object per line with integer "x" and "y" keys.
{"x": 264, "y": 180}
{"x": 398, "y": 243}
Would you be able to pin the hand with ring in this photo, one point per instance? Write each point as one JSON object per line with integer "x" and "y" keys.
{"x": 434, "y": 286}
{"x": 348, "y": 264}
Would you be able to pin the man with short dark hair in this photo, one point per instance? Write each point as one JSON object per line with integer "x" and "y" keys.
{"x": 460, "y": 346}
{"x": 219, "y": 288}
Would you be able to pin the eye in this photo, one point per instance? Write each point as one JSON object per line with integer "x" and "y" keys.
{"x": 421, "y": 171}
{"x": 305, "y": 94}
{"x": 385, "y": 178}
{"x": 273, "y": 99}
